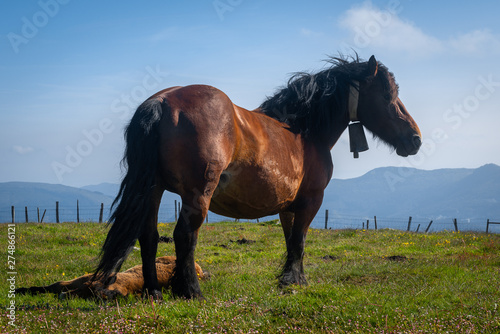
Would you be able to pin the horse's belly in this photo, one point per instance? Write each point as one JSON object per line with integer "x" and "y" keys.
{"x": 250, "y": 192}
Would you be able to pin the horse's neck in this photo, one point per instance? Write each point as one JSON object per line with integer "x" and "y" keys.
{"x": 337, "y": 131}
{"x": 339, "y": 122}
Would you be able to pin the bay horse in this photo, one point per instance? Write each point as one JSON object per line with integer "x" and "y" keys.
{"x": 194, "y": 141}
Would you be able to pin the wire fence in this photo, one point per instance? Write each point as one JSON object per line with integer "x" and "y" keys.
{"x": 169, "y": 212}
{"x": 411, "y": 224}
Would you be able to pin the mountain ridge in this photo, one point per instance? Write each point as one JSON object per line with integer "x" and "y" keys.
{"x": 430, "y": 194}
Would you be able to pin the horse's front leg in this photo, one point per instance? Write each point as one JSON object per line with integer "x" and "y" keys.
{"x": 295, "y": 226}
{"x": 293, "y": 270}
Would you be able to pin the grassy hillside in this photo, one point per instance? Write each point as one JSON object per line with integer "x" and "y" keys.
{"x": 360, "y": 281}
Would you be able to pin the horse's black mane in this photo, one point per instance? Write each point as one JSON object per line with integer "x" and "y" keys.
{"x": 310, "y": 103}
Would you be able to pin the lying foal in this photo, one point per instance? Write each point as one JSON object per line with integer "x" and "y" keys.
{"x": 122, "y": 284}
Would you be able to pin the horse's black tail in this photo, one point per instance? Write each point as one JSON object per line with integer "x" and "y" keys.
{"x": 135, "y": 203}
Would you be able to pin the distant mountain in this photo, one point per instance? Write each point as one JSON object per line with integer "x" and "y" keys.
{"x": 392, "y": 194}
{"x": 471, "y": 195}
{"x": 108, "y": 189}
{"x": 45, "y": 196}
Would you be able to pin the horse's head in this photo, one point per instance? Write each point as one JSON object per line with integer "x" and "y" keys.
{"x": 381, "y": 111}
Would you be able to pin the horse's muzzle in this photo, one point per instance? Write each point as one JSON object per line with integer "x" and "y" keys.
{"x": 409, "y": 147}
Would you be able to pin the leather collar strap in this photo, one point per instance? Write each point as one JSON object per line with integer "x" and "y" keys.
{"x": 353, "y": 101}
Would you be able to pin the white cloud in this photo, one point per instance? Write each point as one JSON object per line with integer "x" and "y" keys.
{"x": 382, "y": 28}
{"x": 476, "y": 42}
{"x": 23, "y": 149}
{"x": 370, "y": 26}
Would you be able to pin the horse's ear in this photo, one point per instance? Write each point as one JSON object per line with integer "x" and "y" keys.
{"x": 372, "y": 67}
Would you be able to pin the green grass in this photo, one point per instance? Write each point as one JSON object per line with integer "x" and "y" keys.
{"x": 443, "y": 283}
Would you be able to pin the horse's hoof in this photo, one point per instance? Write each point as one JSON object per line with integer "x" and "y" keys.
{"x": 194, "y": 296}
{"x": 188, "y": 294}
{"x": 200, "y": 298}
{"x": 288, "y": 279}
{"x": 154, "y": 294}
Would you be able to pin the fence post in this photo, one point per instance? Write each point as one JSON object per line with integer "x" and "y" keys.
{"x": 38, "y": 214}
{"x": 57, "y": 212}
{"x": 428, "y": 227}
{"x": 26, "y": 213}
{"x": 418, "y": 228}
{"x": 77, "y": 211}
{"x": 409, "y": 225}
{"x": 367, "y": 224}
{"x": 41, "y": 221}
{"x": 487, "y": 225}
{"x": 456, "y": 224}
{"x": 13, "y": 212}
{"x": 100, "y": 213}
{"x": 375, "y": 219}
{"x": 326, "y": 219}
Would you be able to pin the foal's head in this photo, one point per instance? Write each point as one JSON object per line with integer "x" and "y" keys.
{"x": 381, "y": 111}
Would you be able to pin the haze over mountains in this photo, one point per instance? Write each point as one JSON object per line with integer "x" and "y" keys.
{"x": 392, "y": 194}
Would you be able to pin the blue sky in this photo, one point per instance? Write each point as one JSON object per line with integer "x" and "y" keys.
{"x": 72, "y": 73}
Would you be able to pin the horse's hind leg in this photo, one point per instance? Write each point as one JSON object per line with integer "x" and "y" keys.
{"x": 195, "y": 204}
{"x": 32, "y": 290}
{"x": 149, "y": 245}
{"x": 185, "y": 280}
{"x": 57, "y": 287}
